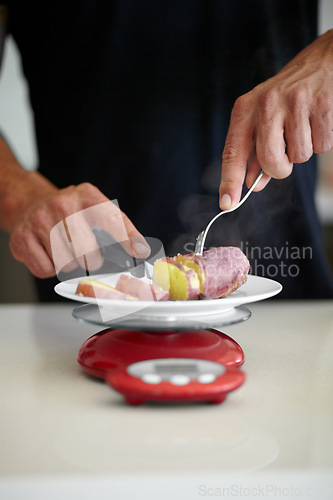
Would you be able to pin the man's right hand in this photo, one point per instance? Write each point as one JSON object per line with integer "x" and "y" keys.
{"x": 282, "y": 121}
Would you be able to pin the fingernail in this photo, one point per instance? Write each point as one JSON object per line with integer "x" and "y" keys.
{"x": 141, "y": 248}
{"x": 225, "y": 202}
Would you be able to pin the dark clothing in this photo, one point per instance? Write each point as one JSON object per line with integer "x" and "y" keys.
{"x": 135, "y": 97}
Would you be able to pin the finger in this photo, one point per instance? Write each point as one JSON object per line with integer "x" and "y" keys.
{"x": 82, "y": 241}
{"x": 60, "y": 248}
{"x": 297, "y": 131}
{"x": 72, "y": 240}
{"x": 106, "y": 214}
{"x": 32, "y": 253}
{"x": 138, "y": 245}
{"x": 235, "y": 155}
{"x": 271, "y": 146}
{"x": 253, "y": 172}
{"x": 322, "y": 130}
{"x": 109, "y": 216}
{"x": 54, "y": 241}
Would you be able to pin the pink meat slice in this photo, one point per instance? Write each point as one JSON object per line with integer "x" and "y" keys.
{"x": 223, "y": 270}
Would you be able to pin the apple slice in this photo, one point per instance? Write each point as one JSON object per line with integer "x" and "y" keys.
{"x": 94, "y": 288}
{"x": 140, "y": 289}
{"x": 189, "y": 260}
{"x": 180, "y": 281}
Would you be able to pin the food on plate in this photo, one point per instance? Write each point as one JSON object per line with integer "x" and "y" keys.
{"x": 178, "y": 279}
{"x": 216, "y": 274}
{"x": 219, "y": 271}
{"x": 94, "y": 288}
{"x": 140, "y": 289}
{"x": 126, "y": 288}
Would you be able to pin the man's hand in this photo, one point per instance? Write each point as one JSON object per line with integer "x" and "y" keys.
{"x": 32, "y": 208}
{"x": 280, "y": 122}
{"x": 73, "y": 243}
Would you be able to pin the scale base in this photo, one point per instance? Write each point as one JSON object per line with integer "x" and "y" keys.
{"x": 110, "y": 353}
{"x": 110, "y": 349}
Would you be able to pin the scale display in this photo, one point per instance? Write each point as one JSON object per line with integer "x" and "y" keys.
{"x": 176, "y": 371}
{"x": 176, "y": 380}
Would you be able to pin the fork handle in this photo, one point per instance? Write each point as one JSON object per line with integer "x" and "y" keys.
{"x": 200, "y": 243}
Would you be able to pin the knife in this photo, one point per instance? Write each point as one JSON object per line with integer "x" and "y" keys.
{"x": 120, "y": 261}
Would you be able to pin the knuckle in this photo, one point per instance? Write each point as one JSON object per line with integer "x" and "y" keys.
{"x": 38, "y": 218}
{"x": 227, "y": 181}
{"x": 14, "y": 244}
{"x": 324, "y": 103}
{"x": 19, "y": 243}
{"x": 87, "y": 189}
{"x": 300, "y": 152}
{"x": 41, "y": 272}
{"x": 61, "y": 205}
{"x": 74, "y": 198}
{"x": 18, "y": 237}
{"x": 269, "y": 157}
{"x": 242, "y": 105}
{"x": 267, "y": 102}
{"x": 297, "y": 99}
{"x": 230, "y": 154}
{"x": 118, "y": 218}
{"x": 280, "y": 171}
{"x": 322, "y": 146}
{"x": 299, "y": 156}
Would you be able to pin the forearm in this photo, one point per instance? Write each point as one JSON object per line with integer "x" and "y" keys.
{"x": 18, "y": 188}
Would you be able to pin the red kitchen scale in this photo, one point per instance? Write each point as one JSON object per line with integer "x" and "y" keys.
{"x": 194, "y": 364}
{"x": 164, "y": 350}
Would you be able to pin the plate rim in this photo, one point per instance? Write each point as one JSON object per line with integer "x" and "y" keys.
{"x": 230, "y": 301}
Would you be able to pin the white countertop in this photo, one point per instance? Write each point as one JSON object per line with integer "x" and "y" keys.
{"x": 65, "y": 435}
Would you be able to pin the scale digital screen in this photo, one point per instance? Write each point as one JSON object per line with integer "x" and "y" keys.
{"x": 160, "y": 369}
{"x": 167, "y": 368}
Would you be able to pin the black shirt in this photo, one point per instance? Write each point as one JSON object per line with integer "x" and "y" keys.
{"x": 135, "y": 97}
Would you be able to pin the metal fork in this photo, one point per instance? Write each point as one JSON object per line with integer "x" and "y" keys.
{"x": 200, "y": 242}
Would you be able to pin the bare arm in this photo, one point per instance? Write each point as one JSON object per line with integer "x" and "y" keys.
{"x": 281, "y": 121}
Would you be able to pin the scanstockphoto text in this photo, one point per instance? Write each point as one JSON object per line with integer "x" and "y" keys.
{"x": 271, "y": 261}
{"x": 266, "y": 490}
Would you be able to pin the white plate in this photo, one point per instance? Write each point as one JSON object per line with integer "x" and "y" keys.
{"x": 254, "y": 290}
